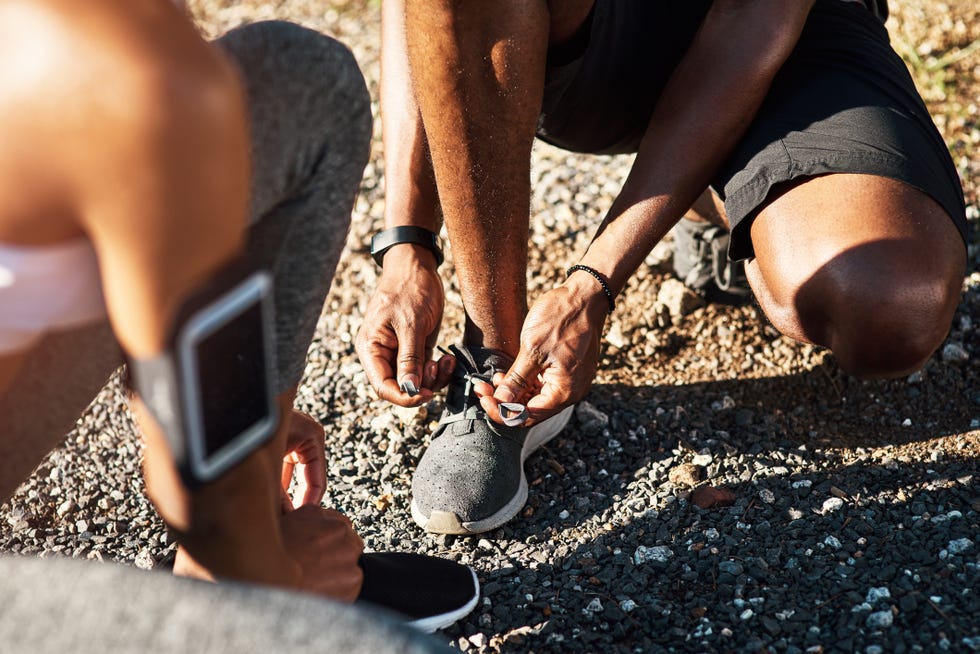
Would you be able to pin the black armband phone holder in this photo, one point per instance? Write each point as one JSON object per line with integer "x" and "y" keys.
{"x": 212, "y": 390}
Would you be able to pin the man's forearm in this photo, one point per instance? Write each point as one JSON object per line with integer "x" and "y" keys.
{"x": 410, "y": 186}
{"x": 705, "y": 109}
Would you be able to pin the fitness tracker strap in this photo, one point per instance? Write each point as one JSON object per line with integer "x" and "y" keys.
{"x": 382, "y": 241}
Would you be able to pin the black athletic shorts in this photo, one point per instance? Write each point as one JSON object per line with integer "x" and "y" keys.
{"x": 843, "y": 102}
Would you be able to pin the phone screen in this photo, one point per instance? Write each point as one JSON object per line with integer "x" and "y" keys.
{"x": 233, "y": 383}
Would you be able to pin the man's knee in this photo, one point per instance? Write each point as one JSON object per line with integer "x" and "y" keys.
{"x": 881, "y": 313}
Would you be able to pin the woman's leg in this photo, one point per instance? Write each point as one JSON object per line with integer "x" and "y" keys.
{"x": 58, "y": 379}
{"x": 310, "y": 116}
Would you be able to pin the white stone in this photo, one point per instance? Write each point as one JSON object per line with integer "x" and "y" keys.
{"x": 144, "y": 560}
{"x": 880, "y": 620}
{"x": 832, "y": 504}
{"x": 615, "y": 337}
{"x": 702, "y": 460}
{"x": 959, "y": 545}
{"x": 955, "y": 353}
{"x": 383, "y": 423}
{"x": 678, "y": 298}
{"x": 877, "y": 593}
{"x": 657, "y": 554}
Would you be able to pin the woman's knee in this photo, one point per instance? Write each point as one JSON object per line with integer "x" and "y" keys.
{"x": 309, "y": 74}
{"x": 310, "y": 113}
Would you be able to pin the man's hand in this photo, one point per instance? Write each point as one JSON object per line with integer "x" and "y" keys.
{"x": 325, "y": 546}
{"x": 304, "y": 454}
{"x": 559, "y": 353}
{"x": 400, "y": 329}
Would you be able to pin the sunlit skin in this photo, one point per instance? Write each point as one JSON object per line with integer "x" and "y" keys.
{"x": 462, "y": 86}
{"x": 123, "y": 126}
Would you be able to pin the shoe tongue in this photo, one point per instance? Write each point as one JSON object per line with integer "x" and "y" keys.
{"x": 482, "y": 361}
{"x": 488, "y": 360}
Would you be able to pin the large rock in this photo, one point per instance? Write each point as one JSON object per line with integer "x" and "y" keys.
{"x": 679, "y": 299}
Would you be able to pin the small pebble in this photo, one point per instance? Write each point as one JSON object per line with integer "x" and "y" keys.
{"x": 876, "y": 594}
{"x": 879, "y": 620}
{"x": 707, "y": 497}
{"x": 686, "y": 474}
{"x": 656, "y": 554}
{"x": 955, "y": 353}
{"x": 832, "y": 504}
{"x": 959, "y": 545}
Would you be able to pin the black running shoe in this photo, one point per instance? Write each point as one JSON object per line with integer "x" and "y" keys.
{"x": 432, "y": 593}
{"x": 701, "y": 262}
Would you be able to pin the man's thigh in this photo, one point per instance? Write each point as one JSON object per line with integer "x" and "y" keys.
{"x": 601, "y": 90}
{"x": 843, "y": 104}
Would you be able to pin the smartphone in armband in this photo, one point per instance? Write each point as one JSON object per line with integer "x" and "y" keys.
{"x": 212, "y": 390}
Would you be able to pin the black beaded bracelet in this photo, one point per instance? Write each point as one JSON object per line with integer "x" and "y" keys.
{"x": 599, "y": 278}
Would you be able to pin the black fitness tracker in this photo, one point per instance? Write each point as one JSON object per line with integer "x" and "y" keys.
{"x": 212, "y": 389}
{"x": 405, "y": 234}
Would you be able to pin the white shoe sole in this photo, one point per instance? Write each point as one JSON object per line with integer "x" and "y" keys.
{"x": 436, "y": 622}
{"x": 446, "y": 522}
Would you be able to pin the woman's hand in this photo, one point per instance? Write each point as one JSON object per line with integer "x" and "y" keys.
{"x": 324, "y": 545}
{"x": 305, "y": 454}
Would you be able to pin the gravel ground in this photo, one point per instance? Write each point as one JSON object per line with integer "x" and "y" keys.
{"x": 845, "y": 513}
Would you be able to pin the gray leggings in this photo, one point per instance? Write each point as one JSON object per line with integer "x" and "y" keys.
{"x": 310, "y": 116}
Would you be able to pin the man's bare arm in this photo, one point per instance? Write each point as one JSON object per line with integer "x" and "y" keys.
{"x": 396, "y": 341}
{"x": 705, "y": 109}
{"x": 410, "y": 184}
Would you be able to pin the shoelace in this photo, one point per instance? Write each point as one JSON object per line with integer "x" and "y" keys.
{"x": 513, "y": 414}
{"x": 471, "y": 372}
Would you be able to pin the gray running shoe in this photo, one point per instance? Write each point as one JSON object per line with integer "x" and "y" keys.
{"x": 471, "y": 478}
{"x": 701, "y": 262}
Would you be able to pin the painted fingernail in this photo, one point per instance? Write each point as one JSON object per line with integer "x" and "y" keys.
{"x": 408, "y": 386}
{"x": 512, "y": 413}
